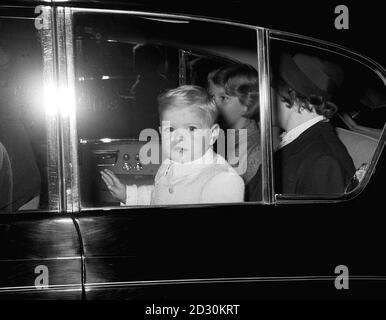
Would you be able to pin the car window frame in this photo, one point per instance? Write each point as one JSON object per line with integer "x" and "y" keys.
{"x": 372, "y": 65}
{"x": 70, "y": 143}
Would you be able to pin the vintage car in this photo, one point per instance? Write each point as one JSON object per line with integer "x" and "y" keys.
{"x": 67, "y": 111}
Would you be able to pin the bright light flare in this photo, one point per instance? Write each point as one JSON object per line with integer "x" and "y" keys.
{"x": 59, "y": 100}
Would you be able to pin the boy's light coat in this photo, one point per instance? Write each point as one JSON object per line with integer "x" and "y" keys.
{"x": 209, "y": 179}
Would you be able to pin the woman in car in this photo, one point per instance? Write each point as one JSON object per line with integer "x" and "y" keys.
{"x": 310, "y": 159}
{"x": 235, "y": 89}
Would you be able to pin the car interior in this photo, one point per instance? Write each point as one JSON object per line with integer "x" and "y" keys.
{"x": 111, "y": 139}
{"x": 118, "y": 149}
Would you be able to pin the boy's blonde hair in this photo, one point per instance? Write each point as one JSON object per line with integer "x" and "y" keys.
{"x": 189, "y": 96}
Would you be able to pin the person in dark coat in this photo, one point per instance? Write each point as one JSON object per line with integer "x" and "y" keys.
{"x": 310, "y": 159}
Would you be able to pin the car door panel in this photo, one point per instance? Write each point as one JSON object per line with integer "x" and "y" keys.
{"x": 40, "y": 257}
{"x": 228, "y": 252}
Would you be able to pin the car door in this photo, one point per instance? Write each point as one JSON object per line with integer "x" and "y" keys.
{"x": 40, "y": 252}
{"x": 153, "y": 251}
{"x": 281, "y": 246}
{"x": 340, "y": 228}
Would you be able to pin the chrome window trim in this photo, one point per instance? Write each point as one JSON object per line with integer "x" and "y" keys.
{"x": 54, "y": 174}
{"x": 66, "y": 79}
{"x": 164, "y": 15}
{"x": 168, "y": 207}
{"x": 365, "y": 61}
{"x": 73, "y": 169}
{"x": 224, "y": 281}
{"x": 263, "y": 55}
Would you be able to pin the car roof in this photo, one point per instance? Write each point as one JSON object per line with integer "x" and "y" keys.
{"x": 310, "y": 19}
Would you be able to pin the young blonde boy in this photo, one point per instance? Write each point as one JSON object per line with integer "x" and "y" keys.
{"x": 192, "y": 172}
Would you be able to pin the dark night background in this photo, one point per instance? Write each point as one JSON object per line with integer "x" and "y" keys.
{"x": 310, "y": 18}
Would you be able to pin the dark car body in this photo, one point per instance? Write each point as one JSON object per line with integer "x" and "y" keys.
{"x": 283, "y": 247}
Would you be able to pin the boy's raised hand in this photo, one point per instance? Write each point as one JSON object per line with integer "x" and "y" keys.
{"x": 116, "y": 187}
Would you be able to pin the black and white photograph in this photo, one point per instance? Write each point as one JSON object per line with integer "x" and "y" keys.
{"x": 190, "y": 157}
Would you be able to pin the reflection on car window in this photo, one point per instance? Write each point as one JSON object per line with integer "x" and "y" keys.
{"x": 22, "y": 118}
{"x": 149, "y": 84}
{"x": 157, "y": 133}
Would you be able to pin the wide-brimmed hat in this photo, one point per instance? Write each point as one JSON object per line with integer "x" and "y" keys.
{"x": 309, "y": 75}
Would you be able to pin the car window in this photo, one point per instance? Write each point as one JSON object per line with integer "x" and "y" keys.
{"x": 328, "y": 112}
{"x": 132, "y": 71}
{"x": 23, "y": 126}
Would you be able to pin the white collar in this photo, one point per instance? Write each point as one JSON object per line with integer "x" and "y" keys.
{"x": 210, "y": 157}
{"x": 288, "y": 137}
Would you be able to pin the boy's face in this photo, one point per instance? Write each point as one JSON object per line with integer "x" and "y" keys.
{"x": 186, "y": 135}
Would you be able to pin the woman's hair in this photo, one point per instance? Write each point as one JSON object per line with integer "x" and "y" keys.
{"x": 241, "y": 81}
{"x": 315, "y": 103}
{"x": 192, "y": 97}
